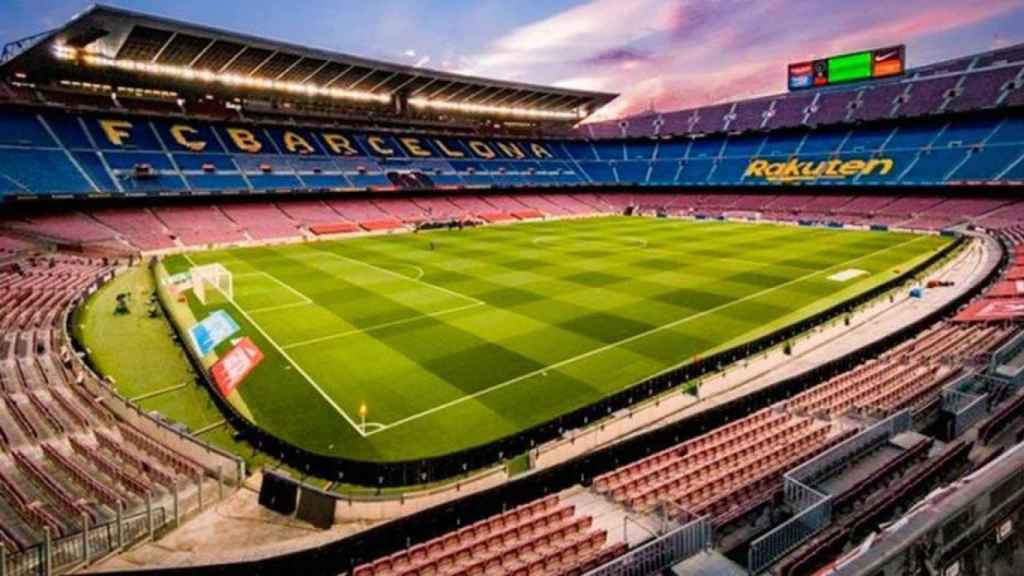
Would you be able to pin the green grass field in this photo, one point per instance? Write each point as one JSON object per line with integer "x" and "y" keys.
{"x": 455, "y": 339}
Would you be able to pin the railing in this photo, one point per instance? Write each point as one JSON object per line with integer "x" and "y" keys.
{"x": 814, "y": 508}
{"x": 665, "y": 551}
{"x": 840, "y": 455}
{"x": 12, "y": 49}
{"x": 54, "y": 556}
{"x": 769, "y": 548}
{"x": 1008, "y": 351}
{"x": 967, "y": 409}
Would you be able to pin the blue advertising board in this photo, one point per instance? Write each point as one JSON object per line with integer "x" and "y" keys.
{"x": 213, "y": 330}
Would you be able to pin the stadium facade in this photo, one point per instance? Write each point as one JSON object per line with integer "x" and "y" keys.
{"x": 125, "y": 136}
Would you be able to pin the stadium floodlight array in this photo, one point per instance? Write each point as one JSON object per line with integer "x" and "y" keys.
{"x": 217, "y": 277}
{"x": 444, "y": 105}
{"x": 210, "y": 77}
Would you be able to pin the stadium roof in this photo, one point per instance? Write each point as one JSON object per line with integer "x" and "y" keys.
{"x": 116, "y": 39}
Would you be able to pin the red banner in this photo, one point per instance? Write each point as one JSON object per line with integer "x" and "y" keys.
{"x": 231, "y": 370}
{"x": 1015, "y": 273}
{"x": 993, "y": 309}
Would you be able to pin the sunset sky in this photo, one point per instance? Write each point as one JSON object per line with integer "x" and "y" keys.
{"x": 665, "y": 53}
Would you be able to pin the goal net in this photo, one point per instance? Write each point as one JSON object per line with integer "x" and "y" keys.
{"x": 213, "y": 277}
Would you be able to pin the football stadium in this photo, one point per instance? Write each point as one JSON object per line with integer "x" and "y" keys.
{"x": 269, "y": 308}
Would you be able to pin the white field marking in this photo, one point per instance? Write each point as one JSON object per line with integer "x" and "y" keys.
{"x": 294, "y": 364}
{"x": 568, "y": 241}
{"x": 635, "y": 337}
{"x": 382, "y": 326}
{"x": 394, "y": 274}
{"x": 847, "y": 275}
{"x": 280, "y": 307}
{"x": 305, "y": 298}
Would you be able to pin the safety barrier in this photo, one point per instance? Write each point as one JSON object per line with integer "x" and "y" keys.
{"x": 814, "y": 508}
{"x": 663, "y": 552}
{"x": 54, "y": 556}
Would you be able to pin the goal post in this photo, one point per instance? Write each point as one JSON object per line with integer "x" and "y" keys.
{"x": 215, "y": 277}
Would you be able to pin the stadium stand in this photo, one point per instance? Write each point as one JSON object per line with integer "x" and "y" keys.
{"x": 539, "y": 537}
{"x": 67, "y": 458}
{"x": 253, "y": 174}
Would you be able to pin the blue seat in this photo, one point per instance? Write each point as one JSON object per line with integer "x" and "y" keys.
{"x": 41, "y": 171}
{"x": 580, "y": 150}
{"x": 642, "y": 150}
{"x": 218, "y": 182}
{"x": 987, "y": 163}
{"x": 93, "y": 166}
{"x": 673, "y": 150}
{"x": 664, "y": 172}
{"x": 598, "y": 172}
{"x": 696, "y": 171}
{"x": 610, "y": 150}
{"x": 632, "y": 172}
{"x": 729, "y": 171}
{"x": 274, "y": 182}
{"x": 933, "y": 166}
{"x": 23, "y": 129}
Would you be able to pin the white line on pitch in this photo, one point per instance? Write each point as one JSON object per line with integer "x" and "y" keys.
{"x": 305, "y": 298}
{"x": 294, "y": 364}
{"x": 635, "y": 337}
{"x": 281, "y": 307}
{"x": 382, "y": 326}
{"x": 403, "y": 276}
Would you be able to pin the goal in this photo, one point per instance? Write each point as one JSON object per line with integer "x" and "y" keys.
{"x": 212, "y": 276}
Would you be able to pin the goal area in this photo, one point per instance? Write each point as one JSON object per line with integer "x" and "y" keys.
{"x": 213, "y": 277}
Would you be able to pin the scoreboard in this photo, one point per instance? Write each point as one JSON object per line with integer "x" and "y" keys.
{"x": 854, "y": 67}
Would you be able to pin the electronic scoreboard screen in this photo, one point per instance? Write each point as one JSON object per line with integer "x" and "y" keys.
{"x": 854, "y": 67}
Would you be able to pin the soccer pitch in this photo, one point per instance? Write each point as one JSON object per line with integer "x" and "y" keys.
{"x": 456, "y": 339}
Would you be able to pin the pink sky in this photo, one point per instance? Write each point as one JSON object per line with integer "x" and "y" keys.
{"x": 680, "y": 53}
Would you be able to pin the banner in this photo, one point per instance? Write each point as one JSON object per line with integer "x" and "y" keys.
{"x": 231, "y": 370}
{"x": 1015, "y": 273}
{"x": 992, "y": 310}
{"x": 213, "y": 330}
{"x": 179, "y": 283}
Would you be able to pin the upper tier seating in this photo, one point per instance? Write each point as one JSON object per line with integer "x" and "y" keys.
{"x": 942, "y": 150}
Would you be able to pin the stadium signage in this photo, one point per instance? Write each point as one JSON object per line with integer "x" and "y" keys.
{"x": 197, "y": 137}
{"x": 796, "y": 170}
{"x": 855, "y": 67}
{"x": 236, "y": 366}
{"x": 213, "y": 330}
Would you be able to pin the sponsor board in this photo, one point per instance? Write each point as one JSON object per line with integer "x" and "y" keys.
{"x": 797, "y": 170}
{"x": 178, "y": 283}
{"x": 213, "y": 330}
{"x": 847, "y": 275}
{"x": 231, "y": 370}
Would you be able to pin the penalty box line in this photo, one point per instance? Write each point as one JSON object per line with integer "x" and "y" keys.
{"x": 294, "y": 364}
{"x": 394, "y": 274}
{"x": 377, "y": 327}
{"x": 633, "y": 338}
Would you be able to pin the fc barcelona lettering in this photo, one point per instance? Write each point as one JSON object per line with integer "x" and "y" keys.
{"x": 118, "y": 133}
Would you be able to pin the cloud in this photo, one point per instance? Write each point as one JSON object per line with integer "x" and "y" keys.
{"x": 617, "y": 57}
{"x": 573, "y": 35}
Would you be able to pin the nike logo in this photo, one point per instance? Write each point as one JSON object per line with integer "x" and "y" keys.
{"x": 886, "y": 56}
